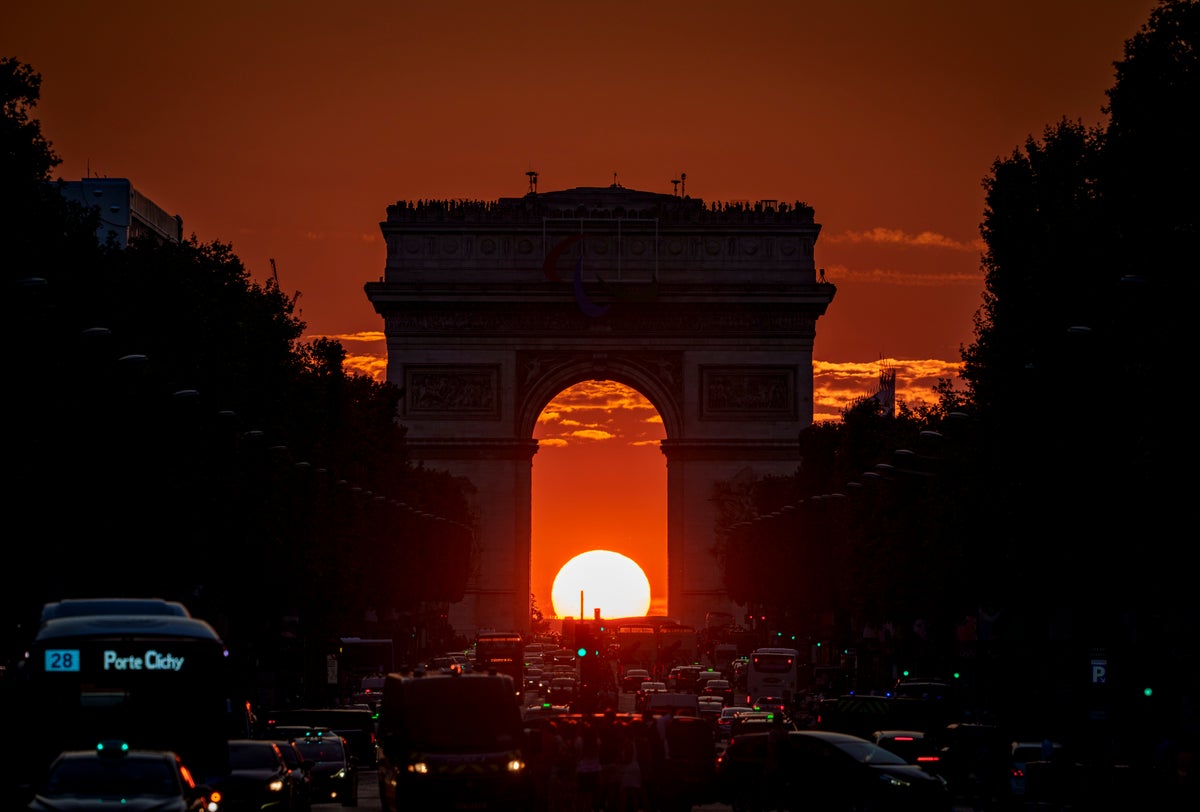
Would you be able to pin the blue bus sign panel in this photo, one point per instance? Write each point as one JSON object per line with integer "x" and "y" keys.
{"x": 62, "y": 659}
{"x": 71, "y": 660}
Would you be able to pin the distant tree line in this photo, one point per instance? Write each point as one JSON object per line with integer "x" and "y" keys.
{"x": 169, "y": 433}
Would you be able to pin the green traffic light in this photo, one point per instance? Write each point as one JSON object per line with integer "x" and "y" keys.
{"x": 582, "y": 652}
{"x": 1147, "y": 691}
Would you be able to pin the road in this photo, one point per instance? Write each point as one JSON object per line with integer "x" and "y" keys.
{"x": 368, "y": 784}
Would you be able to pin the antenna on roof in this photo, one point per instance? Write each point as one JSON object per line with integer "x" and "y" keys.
{"x": 675, "y": 181}
{"x": 532, "y": 182}
{"x": 683, "y": 183}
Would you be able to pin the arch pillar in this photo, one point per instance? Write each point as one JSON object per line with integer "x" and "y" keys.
{"x": 695, "y": 586}
{"x": 500, "y": 472}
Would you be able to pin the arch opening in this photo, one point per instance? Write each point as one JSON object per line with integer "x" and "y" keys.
{"x": 599, "y": 483}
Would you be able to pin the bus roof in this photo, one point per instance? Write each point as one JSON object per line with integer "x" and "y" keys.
{"x": 131, "y": 625}
{"x": 75, "y": 607}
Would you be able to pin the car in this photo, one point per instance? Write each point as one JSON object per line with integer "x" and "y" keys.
{"x": 117, "y": 776}
{"x": 682, "y": 678}
{"x": 333, "y": 776}
{"x": 301, "y": 770}
{"x": 720, "y": 688}
{"x": 744, "y": 779}
{"x": 976, "y": 760}
{"x": 725, "y": 720}
{"x": 771, "y": 704}
{"x": 710, "y": 708}
{"x": 369, "y": 693}
{"x": 355, "y": 725}
{"x": 1047, "y": 755}
{"x": 821, "y": 769}
{"x": 562, "y": 691}
{"x": 914, "y": 746}
{"x": 753, "y": 721}
{"x": 644, "y": 691}
{"x": 258, "y": 778}
{"x": 532, "y": 679}
{"x": 632, "y": 678}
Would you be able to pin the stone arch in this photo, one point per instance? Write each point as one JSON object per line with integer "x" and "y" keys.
{"x": 620, "y": 370}
{"x": 718, "y": 340}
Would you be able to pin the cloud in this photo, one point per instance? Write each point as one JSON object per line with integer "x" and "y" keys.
{"x": 592, "y": 434}
{"x": 604, "y": 411}
{"x": 364, "y": 336}
{"x": 837, "y": 386}
{"x": 372, "y": 366}
{"x": 840, "y": 273}
{"x": 895, "y": 236}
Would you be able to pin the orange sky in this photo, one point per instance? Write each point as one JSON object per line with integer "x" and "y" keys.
{"x": 287, "y": 128}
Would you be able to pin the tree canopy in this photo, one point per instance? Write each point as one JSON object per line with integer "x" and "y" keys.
{"x": 167, "y": 411}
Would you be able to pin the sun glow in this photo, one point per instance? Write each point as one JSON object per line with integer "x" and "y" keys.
{"x": 610, "y": 582}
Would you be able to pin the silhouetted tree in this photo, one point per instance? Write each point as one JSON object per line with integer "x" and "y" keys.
{"x": 166, "y": 412}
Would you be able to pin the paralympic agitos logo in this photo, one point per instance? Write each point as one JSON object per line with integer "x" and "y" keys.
{"x": 586, "y": 305}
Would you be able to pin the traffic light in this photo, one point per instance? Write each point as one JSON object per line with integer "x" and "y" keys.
{"x": 585, "y": 640}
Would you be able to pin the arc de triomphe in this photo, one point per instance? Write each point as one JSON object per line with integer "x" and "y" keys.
{"x": 493, "y": 308}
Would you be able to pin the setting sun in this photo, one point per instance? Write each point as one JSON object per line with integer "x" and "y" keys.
{"x": 609, "y": 581}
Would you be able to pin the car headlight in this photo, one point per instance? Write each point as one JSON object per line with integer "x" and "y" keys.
{"x": 418, "y": 767}
{"x": 276, "y": 785}
{"x": 515, "y": 765}
{"x": 894, "y": 780}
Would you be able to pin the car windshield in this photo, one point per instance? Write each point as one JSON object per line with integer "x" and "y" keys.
{"x": 290, "y": 756}
{"x": 322, "y": 750}
{"x": 252, "y": 757}
{"x": 868, "y": 753}
{"x": 100, "y": 778}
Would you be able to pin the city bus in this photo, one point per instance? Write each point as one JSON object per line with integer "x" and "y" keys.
{"x": 637, "y": 644}
{"x": 678, "y": 644}
{"x": 156, "y": 681}
{"x": 504, "y": 653}
{"x": 773, "y": 672}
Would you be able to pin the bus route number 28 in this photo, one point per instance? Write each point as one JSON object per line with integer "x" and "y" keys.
{"x": 62, "y": 659}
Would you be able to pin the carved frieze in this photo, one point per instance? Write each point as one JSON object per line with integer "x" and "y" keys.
{"x": 748, "y": 392}
{"x": 566, "y": 319}
{"x": 452, "y": 391}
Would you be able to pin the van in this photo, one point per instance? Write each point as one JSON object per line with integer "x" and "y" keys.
{"x": 355, "y": 725}
{"x": 673, "y": 702}
{"x": 451, "y": 741}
